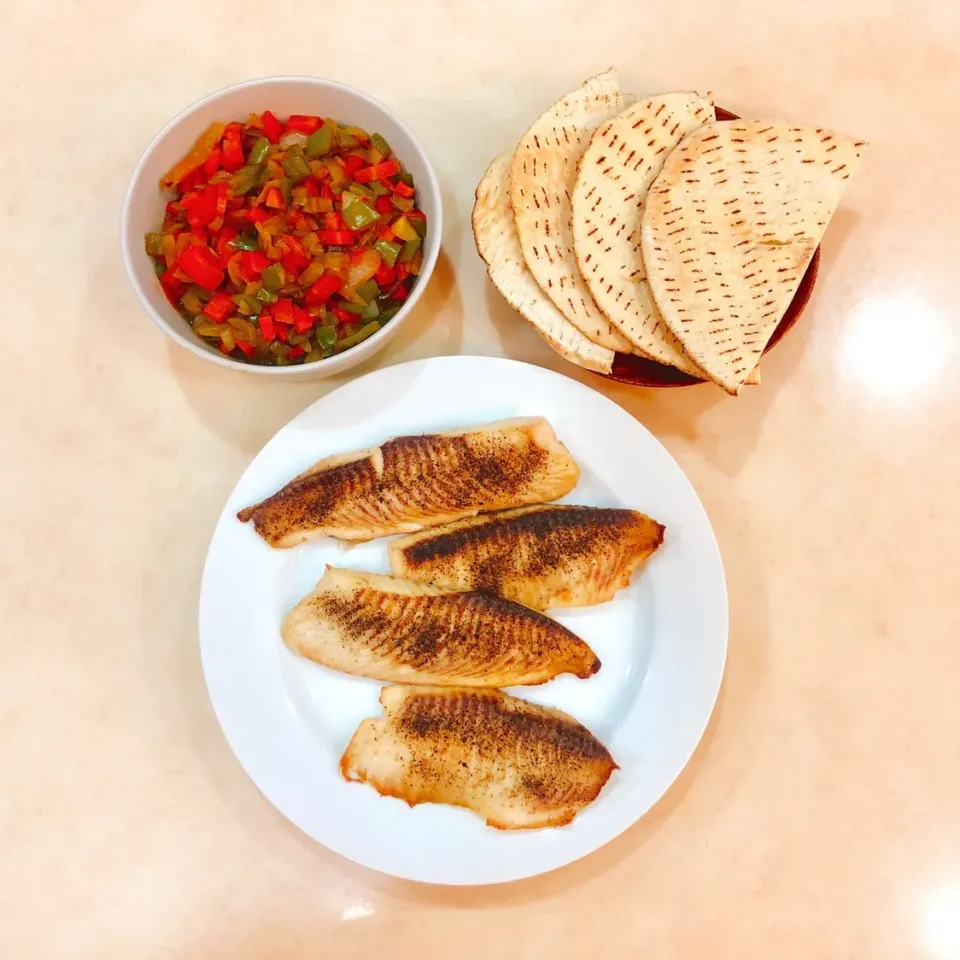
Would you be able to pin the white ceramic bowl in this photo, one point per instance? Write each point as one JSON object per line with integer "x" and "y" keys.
{"x": 144, "y": 202}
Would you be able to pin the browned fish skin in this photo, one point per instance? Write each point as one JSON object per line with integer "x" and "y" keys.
{"x": 412, "y": 482}
{"x": 397, "y": 631}
{"x": 541, "y": 556}
{"x": 519, "y": 765}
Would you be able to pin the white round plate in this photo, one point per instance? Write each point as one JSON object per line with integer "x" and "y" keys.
{"x": 662, "y": 642}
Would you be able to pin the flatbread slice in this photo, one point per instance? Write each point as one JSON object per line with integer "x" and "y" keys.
{"x": 542, "y": 178}
{"x": 498, "y": 246}
{"x": 729, "y": 229}
{"x": 619, "y": 165}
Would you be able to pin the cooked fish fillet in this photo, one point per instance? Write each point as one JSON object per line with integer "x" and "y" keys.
{"x": 410, "y": 483}
{"x": 403, "y": 632}
{"x": 517, "y": 764}
{"x": 544, "y": 556}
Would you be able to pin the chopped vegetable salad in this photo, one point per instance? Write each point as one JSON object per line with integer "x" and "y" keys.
{"x": 288, "y": 241}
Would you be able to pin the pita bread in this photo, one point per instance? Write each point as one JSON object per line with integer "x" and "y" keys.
{"x": 729, "y": 229}
{"x": 622, "y": 161}
{"x": 499, "y": 247}
{"x": 542, "y": 177}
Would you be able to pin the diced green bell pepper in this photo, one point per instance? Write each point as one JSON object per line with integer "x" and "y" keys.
{"x": 379, "y": 143}
{"x": 259, "y": 151}
{"x": 245, "y": 241}
{"x": 389, "y": 251}
{"x": 361, "y": 190}
{"x": 273, "y": 277}
{"x": 191, "y": 302}
{"x": 266, "y": 296}
{"x": 367, "y": 330}
{"x": 326, "y": 336}
{"x": 320, "y": 141}
{"x": 408, "y": 250}
{"x": 356, "y": 213}
{"x": 245, "y": 179}
{"x": 153, "y": 243}
{"x": 296, "y": 164}
{"x": 247, "y": 305}
{"x": 368, "y": 291}
{"x": 356, "y": 308}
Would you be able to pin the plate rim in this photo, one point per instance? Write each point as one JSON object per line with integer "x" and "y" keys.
{"x": 721, "y": 598}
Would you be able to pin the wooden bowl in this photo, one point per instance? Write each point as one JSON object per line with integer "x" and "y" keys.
{"x": 642, "y": 372}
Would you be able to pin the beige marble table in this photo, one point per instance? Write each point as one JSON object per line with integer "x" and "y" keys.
{"x": 820, "y": 816}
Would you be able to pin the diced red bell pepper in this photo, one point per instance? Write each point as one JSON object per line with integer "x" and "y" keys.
{"x": 401, "y": 293}
{"x": 272, "y": 127}
{"x": 199, "y": 235}
{"x": 194, "y": 179}
{"x": 294, "y": 246}
{"x": 333, "y": 221}
{"x": 222, "y": 244}
{"x": 173, "y": 209}
{"x": 267, "y": 330}
{"x": 302, "y": 321}
{"x": 384, "y": 205}
{"x": 201, "y": 265}
{"x": 401, "y": 189}
{"x": 344, "y": 316}
{"x": 341, "y": 238}
{"x": 247, "y": 348}
{"x": 258, "y": 214}
{"x": 232, "y": 158}
{"x": 173, "y": 295}
{"x": 326, "y": 192}
{"x": 274, "y": 199}
{"x": 324, "y": 288}
{"x": 282, "y": 330}
{"x": 310, "y": 186}
{"x": 212, "y": 163}
{"x": 385, "y": 275}
{"x": 252, "y": 264}
{"x": 170, "y": 280}
{"x": 416, "y": 215}
{"x": 304, "y": 124}
{"x": 379, "y": 171}
{"x": 403, "y": 271}
{"x": 295, "y": 352}
{"x": 220, "y": 307}
{"x": 283, "y": 311}
{"x": 204, "y": 206}
{"x": 352, "y": 164}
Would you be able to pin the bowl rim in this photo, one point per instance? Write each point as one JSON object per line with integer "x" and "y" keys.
{"x": 432, "y": 252}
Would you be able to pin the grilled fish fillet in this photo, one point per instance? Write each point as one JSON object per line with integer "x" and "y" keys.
{"x": 410, "y": 483}
{"x": 518, "y": 765}
{"x": 542, "y": 557}
{"x": 402, "y": 632}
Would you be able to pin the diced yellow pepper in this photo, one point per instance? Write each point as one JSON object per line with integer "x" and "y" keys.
{"x": 403, "y": 228}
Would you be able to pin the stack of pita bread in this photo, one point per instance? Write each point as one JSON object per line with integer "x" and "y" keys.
{"x": 646, "y": 226}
